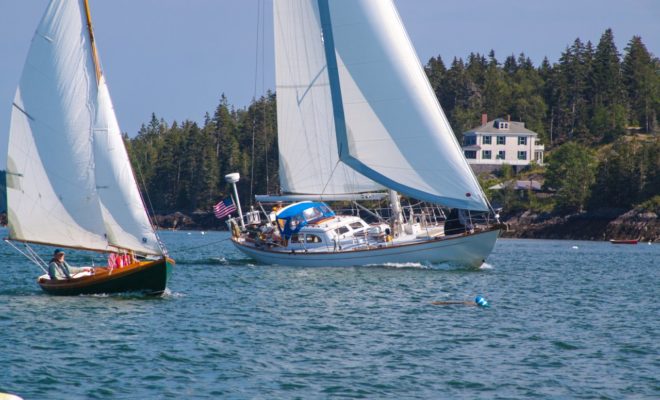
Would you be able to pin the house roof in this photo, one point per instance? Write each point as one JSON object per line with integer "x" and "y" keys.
{"x": 518, "y": 185}
{"x": 515, "y": 128}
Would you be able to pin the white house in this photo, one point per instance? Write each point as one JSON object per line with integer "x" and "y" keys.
{"x": 500, "y": 142}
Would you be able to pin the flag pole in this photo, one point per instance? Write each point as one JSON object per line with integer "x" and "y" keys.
{"x": 233, "y": 178}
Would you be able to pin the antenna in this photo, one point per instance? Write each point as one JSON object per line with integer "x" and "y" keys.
{"x": 233, "y": 178}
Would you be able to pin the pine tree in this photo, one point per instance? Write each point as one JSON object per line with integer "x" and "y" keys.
{"x": 641, "y": 78}
{"x": 609, "y": 113}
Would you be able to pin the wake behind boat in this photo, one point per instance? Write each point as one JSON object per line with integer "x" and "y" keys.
{"x": 358, "y": 121}
{"x": 69, "y": 180}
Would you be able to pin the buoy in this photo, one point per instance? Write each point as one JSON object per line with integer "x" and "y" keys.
{"x": 481, "y": 302}
{"x": 575, "y": 247}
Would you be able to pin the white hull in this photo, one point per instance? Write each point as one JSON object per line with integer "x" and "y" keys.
{"x": 469, "y": 250}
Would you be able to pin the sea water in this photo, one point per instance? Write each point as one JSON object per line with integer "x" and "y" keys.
{"x": 567, "y": 319}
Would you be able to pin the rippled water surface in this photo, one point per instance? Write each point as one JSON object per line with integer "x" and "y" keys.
{"x": 567, "y": 320}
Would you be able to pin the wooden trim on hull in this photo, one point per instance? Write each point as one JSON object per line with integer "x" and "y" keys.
{"x": 149, "y": 277}
{"x": 470, "y": 250}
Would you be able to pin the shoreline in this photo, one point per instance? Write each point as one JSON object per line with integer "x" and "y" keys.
{"x": 602, "y": 225}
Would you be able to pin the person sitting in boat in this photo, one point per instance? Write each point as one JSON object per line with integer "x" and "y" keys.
{"x": 60, "y": 269}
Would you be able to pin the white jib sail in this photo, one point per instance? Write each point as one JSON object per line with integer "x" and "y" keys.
{"x": 309, "y": 161}
{"x": 51, "y": 189}
{"x": 126, "y": 220}
{"x": 396, "y": 132}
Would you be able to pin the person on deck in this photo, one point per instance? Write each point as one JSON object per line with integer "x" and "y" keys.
{"x": 60, "y": 269}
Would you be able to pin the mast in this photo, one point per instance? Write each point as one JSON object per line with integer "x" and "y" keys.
{"x": 95, "y": 56}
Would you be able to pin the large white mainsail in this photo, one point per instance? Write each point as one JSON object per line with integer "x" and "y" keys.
{"x": 389, "y": 124}
{"x": 63, "y": 142}
{"x": 309, "y": 161}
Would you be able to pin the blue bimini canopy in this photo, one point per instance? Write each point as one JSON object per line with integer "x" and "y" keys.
{"x": 293, "y": 218}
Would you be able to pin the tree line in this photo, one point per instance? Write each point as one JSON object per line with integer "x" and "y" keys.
{"x": 592, "y": 96}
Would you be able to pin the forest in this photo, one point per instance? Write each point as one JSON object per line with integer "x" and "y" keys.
{"x": 595, "y": 110}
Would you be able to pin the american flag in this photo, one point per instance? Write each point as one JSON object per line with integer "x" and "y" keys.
{"x": 224, "y": 208}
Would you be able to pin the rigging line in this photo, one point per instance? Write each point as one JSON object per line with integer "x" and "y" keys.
{"x": 254, "y": 96}
{"x": 330, "y": 178}
{"x": 204, "y": 245}
{"x": 30, "y": 256}
{"x": 263, "y": 87}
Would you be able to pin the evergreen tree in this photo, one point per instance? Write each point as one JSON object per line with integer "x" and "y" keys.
{"x": 570, "y": 101}
{"x": 609, "y": 113}
{"x": 641, "y": 78}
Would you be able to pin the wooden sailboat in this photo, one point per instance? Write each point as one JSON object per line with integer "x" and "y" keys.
{"x": 358, "y": 120}
{"x": 69, "y": 180}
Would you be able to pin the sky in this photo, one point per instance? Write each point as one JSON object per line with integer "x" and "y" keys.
{"x": 175, "y": 58}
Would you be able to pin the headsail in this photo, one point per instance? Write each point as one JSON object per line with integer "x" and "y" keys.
{"x": 389, "y": 124}
{"x": 309, "y": 161}
{"x": 126, "y": 222}
{"x": 64, "y": 142}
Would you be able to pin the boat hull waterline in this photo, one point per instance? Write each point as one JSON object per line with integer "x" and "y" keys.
{"x": 467, "y": 250}
{"x": 148, "y": 277}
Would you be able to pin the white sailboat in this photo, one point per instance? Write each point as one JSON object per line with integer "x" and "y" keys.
{"x": 356, "y": 115}
{"x": 69, "y": 180}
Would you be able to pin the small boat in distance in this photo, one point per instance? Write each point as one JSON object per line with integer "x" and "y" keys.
{"x": 624, "y": 241}
{"x": 69, "y": 180}
{"x": 358, "y": 123}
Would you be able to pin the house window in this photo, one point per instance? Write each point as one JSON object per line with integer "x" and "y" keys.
{"x": 522, "y": 140}
{"x": 487, "y": 140}
{"x": 469, "y": 140}
{"x": 470, "y": 154}
{"x": 501, "y": 155}
{"x": 522, "y": 155}
{"x": 486, "y": 154}
{"x": 501, "y": 140}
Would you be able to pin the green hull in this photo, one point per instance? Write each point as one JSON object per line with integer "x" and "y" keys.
{"x": 147, "y": 277}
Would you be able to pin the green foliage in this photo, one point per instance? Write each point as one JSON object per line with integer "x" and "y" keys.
{"x": 651, "y": 205}
{"x": 628, "y": 173}
{"x": 590, "y": 96}
{"x": 181, "y": 167}
{"x": 571, "y": 172}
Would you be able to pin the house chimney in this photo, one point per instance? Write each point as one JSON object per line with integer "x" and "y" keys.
{"x": 508, "y": 117}
{"x": 484, "y": 119}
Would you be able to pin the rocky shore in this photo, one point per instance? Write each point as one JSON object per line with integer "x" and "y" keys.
{"x": 601, "y": 225}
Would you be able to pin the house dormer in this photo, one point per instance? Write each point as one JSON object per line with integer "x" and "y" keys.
{"x": 501, "y": 124}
